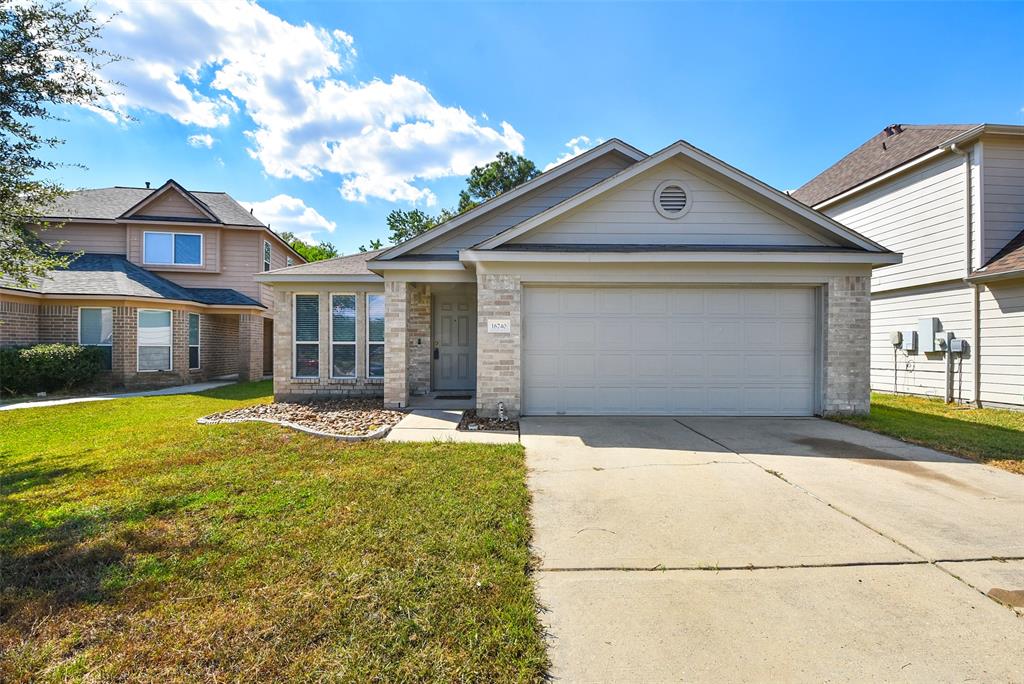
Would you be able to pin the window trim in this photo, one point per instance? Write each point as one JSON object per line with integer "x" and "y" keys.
{"x": 268, "y": 255}
{"x": 202, "y": 249}
{"x": 170, "y": 346}
{"x": 368, "y": 341}
{"x": 111, "y": 345}
{"x": 199, "y": 340}
{"x": 296, "y": 343}
{"x": 288, "y": 261}
{"x": 354, "y": 343}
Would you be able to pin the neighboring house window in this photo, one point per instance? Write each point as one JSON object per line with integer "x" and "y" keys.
{"x": 343, "y": 336}
{"x": 154, "y": 337}
{"x": 193, "y": 341}
{"x": 288, "y": 261}
{"x": 96, "y": 329}
{"x": 180, "y": 249}
{"x": 375, "y": 335}
{"x": 307, "y": 336}
{"x": 266, "y": 255}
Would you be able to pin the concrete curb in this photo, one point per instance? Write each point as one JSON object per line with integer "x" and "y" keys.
{"x": 380, "y": 433}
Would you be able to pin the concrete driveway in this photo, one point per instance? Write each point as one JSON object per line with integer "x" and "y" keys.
{"x": 766, "y": 549}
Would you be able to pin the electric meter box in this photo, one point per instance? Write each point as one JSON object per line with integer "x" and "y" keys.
{"x": 957, "y": 346}
{"x": 927, "y": 330}
{"x": 909, "y": 340}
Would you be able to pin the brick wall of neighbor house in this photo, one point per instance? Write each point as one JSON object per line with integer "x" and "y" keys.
{"x": 498, "y": 355}
{"x": 420, "y": 345}
{"x": 289, "y": 388}
{"x": 58, "y": 324}
{"x": 847, "y": 354}
{"x": 250, "y": 347}
{"x": 218, "y": 344}
{"x": 19, "y": 323}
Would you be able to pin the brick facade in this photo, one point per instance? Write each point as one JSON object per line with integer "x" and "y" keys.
{"x": 418, "y": 324}
{"x": 847, "y": 354}
{"x": 396, "y": 344}
{"x": 58, "y": 324}
{"x": 220, "y": 357}
{"x": 250, "y": 347}
{"x": 498, "y": 355}
{"x": 19, "y": 323}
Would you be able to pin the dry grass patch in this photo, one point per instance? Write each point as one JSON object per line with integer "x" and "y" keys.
{"x": 138, "y": 545}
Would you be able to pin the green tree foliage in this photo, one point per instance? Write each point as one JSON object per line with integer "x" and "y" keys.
{"x": 501, "y": 175}
{"x": 48, "y": 58}
{"x": 317, "y": 252}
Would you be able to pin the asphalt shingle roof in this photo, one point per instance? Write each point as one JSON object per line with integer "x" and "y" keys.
{"x": 111, "y": 203}
{"x": 878, "y": 155}
{"x": 352, "y": 264}
{"x": 112, "y": 275}
{"x": 1009, "y": 259}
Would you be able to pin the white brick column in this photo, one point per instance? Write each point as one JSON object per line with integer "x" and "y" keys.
{"x": 847, "y": 358}
{"x": 396, "y": 343}
{"x": 498, "y": 354}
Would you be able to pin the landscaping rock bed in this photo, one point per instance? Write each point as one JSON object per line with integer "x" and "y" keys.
{"x": 470, "y": 422}
{"x": 345, "y": 419}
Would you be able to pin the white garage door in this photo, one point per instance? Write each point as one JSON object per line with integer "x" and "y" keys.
{"x": 674, "y": 351}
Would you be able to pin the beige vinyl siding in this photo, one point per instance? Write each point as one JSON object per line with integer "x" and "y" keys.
{"x": 278, "y": 259}
{"x": 921, "y": 373}
{"x": 1002, "y": 343}
{"x": 921, "y": 215}
{"x": 243, "y": 258}
{"x": 171, "y": 204}
{"x": 627, "y": 215}
{"x": 211, "y": 248}
{"x": 98, "y": 238}
{"x": 1003, "y": 185}
{"x": 528, "y": 205}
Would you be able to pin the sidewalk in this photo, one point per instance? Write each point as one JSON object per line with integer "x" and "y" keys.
{"x": 181, "y": 389}
{"x": 427, "y": 425}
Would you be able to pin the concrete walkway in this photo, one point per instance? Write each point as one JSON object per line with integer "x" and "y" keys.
{"x": 723, "y": 549}
{"x": 181, "y": 389}
{"x": 428, "y": 425}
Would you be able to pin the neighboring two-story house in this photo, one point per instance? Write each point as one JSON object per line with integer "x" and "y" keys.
{"x": 164, "y": 283}
{"x": 950, "y": 198}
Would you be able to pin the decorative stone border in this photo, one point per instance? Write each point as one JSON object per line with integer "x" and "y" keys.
{"x": 379, "y": 433}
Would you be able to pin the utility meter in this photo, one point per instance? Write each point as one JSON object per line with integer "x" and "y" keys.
{"x": 895, "y": 338}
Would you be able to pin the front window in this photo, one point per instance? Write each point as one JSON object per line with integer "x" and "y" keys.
{"x": 266, "y": 255}
{"x": 154, "y": 337}
{"x": 193, "y": 341}
{"x": 178, "y": 249}
{"x": 375, "y": 335}
{"x": 343, "y": 336}
{"x": 307, "y": 336}
{"x": 96, "y": 329}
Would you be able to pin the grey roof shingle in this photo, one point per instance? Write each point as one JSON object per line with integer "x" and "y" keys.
{"x": 1010, "y": 259}
{"x": 112, "y": 275}
{"x": 352, "y": 264}
{"x": 111, "y": 203}
{"x": 878, "y": 155}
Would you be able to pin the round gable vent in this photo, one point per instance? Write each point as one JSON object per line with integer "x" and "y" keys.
{"x": 671, "y": 199}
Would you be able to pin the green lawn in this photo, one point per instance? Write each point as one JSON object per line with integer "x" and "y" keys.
{"x": 992, "y": 436}
{"x": 137, "y": 545}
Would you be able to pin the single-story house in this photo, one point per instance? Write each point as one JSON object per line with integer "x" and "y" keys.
{"x": 615, "y": 283}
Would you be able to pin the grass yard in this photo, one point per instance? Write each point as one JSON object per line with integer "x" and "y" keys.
{"x": 992, "y": 436}
{"x": 137, "y": 545}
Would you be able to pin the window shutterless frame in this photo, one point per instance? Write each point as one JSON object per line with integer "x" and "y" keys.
{"x": 296, "y": 343}
{"x": 372, "y": 341}
{"x": 169, "y": 345}
{"x": 267, "y": 253}
{"x": 173, "y": 261}
{"x": 197, "y": 346}
{"x": 108, "y": 345}
{"x": 344, "y": 343}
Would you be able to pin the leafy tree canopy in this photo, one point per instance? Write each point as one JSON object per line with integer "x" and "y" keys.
{"x": 317, "y": 252}
{"x": 48, "y": 58}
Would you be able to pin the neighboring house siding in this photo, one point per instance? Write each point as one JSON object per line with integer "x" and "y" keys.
{"x": 99, "y": 238}
{"x": 1003, "y": 183}
{"x": 626, "y": 216}
{"x": 528, "y": 205}
{"x": 278, "y": 259}
{"x": 921, "y": 215}
{"x": 918, "y": 372}
{"x": 211, "y": 250}
{"x": 1002, "y": 343}
{"x": 172, "y": 204}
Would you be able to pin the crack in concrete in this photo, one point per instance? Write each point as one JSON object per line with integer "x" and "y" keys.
{"x": 640, "y": 465}
{"x": 751, "y": 566}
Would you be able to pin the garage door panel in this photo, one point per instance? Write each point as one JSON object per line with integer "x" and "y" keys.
{"x": 685, "y": 350}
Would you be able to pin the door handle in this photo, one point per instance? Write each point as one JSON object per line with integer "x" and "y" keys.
{"x": 437, "y": 353}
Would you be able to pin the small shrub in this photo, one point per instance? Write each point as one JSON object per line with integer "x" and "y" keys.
{"x": 48, "y": 367}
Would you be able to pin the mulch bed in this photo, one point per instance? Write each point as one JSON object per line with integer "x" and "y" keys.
{"x": 355, "y": 417}
{"x": 486, "y": 424}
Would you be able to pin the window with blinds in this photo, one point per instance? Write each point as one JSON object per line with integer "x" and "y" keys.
{"x": 375, "y": 335}
{"x": 307, "y": 336}
{"x": 343, "y": 336}
{"x": 154, "y": 340}
{"x": 96, "y": 329}
{"x": 193, "y": 341}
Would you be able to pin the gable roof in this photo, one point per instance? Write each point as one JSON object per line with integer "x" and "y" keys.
{"x": 707, "y": 161}
{"x": 108, "y": 204}
{"x": 346, "y": 265}
{"x": 1009, "y": 261}
{"x": 890, "y": 148}
{"x": 613, "y": 145}
{"x": 170, "y": 186}
{"x": 112, "y": 275}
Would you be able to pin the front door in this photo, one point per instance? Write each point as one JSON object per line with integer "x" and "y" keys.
{"x": 454, "y": 337}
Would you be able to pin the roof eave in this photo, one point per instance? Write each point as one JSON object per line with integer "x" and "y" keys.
{"x": 753, "y": 256}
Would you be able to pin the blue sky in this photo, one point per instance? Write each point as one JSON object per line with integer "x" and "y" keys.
{"x": 326, "y": 116}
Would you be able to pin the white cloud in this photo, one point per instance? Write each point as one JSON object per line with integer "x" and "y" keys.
{"x": 577, "y": 146}
{"x": 383, "y": 138}
{"x": 287, "y": 213}
{"x": 201, "y": 140}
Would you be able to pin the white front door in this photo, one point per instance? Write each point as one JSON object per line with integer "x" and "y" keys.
{"x": 669, "y": 351}
{"x": 454, "y": 339}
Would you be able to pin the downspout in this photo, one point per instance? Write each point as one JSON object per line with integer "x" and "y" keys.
{"x": 975, "y": 294}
